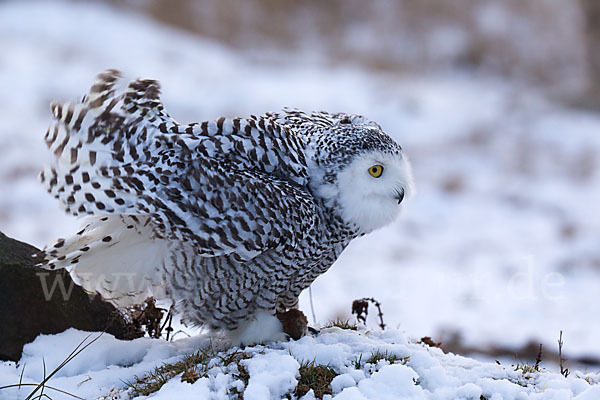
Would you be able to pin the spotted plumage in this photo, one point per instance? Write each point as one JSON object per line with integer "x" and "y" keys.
{"x": 227, "y": 218}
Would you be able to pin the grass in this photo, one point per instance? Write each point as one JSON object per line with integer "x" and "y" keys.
{"x": 391, "y": 358}
{"x": 526, "y": 369}
{"x": 342, "y": 324}
{"x": 377, "y": 356}
{"x": 192, "y": 368}
{"x": 315, "y": 377}
{"x": 242, "y": 375}
{"x": 43, "y": 385}
{"x": 358, "y": 363}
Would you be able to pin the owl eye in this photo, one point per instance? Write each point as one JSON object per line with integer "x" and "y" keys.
{"x": 376, "y": 171}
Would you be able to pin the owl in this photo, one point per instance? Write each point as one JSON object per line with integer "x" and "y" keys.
{"x": 229, "y": 219}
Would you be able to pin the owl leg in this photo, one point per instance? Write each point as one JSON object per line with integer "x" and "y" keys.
{"x": 263, "y": 326}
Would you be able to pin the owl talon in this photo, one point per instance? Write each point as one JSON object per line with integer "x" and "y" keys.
{"x": 313, "y": 331}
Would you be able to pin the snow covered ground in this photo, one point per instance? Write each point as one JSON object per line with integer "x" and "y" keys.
{"x": 500, "y": 245}
{"x": 365, "y": 364}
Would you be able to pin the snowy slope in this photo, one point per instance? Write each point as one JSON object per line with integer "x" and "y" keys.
{"x": 500, "y": 243}
{"x": 103, "y": 370}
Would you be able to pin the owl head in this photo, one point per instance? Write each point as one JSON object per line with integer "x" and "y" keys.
{"x": 362, "y": 174}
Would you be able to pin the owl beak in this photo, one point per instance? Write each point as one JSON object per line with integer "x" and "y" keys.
{"x": 399, "y": 195}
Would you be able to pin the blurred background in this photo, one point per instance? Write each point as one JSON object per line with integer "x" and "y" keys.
{"x": 495, "y": 102}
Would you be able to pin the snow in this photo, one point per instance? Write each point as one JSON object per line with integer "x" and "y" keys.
{"x": 498, "y": 246}
{"x": 272, "y": 375}
{"x": 391, "y": 382}
{"x": 103, "y": 369}
{"x": 341, "y": 382}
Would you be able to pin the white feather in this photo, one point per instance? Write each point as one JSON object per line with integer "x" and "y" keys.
{"x": 126, "y": 269}
{"x": 261, "y": 327}
{"x": 370, "y": 202}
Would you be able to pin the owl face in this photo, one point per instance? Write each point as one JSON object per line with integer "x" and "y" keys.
{"x": 372, "y": 189}
{"x": 361, "y": 173}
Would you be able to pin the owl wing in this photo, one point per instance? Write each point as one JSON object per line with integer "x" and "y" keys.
{"x": 232, "y": 187}
{"x": 222, "y": 207}
{"x": 305, "y": 123}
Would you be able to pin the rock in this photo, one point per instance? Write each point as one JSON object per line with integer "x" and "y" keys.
{"x": 34, "y": 301}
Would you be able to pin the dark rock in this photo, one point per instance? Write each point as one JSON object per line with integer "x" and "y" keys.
{"x": 34, "y": 301}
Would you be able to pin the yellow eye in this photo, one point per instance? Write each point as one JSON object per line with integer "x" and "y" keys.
{"x": 376, "y": 171}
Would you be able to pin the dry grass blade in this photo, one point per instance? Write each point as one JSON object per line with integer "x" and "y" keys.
{"x": 19, "y": 385}
{"x": 564, "y": 371}
{"x": 538, "y": 359}
{"x": 43, "y": 382}
{"x": 21, "y": 376}
{"x": 80, "y": 347}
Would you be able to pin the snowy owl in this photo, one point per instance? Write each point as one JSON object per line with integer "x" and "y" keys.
{"x": 229, "y": 219}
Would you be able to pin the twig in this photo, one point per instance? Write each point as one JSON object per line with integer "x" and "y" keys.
{"x": 312, "y": 308}
{"x": 429, "y": 342}
{"x": 89, "y": 378}
{"x": 178, "y": 332}
{"x": 147, "y": 315}
{"x": 538, "y": 359}
{"x": 564, "y": 371}
{"x": 169, "y": 319}
{"x": 361, "y": 309}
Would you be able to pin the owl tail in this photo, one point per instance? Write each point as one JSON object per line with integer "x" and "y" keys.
{"x": 116, "y": 256}
{"x": 110, "y": 132}
{"x": 99, "y": 148}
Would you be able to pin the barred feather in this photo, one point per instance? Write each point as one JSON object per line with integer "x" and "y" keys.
{"x": 223, "y": 217}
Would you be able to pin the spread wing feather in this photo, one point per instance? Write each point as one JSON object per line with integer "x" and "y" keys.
{"x": 233, "y": 187}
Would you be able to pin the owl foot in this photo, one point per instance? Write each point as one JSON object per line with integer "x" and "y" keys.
{"x": 313, "y": 331}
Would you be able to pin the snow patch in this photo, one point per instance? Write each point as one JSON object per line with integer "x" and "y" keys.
{"x": 102, "y": 370}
